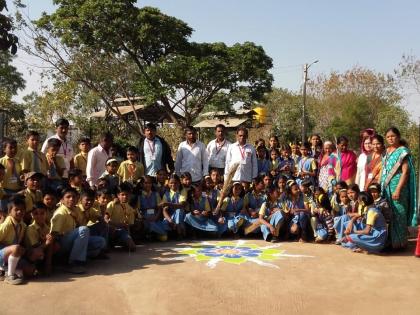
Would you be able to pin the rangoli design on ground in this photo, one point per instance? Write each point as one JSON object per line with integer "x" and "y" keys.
{"x": 234, "y": 253}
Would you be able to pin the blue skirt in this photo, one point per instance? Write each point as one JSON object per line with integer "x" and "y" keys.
{"x": 373, "y": 242}
{"x": 276, "y": 219}
{"x": 177, "y": 216}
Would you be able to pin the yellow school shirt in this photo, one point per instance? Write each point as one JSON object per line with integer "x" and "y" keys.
{"x": 59, "y": 165}
{"x": 87, "y": 217}
{"x": 130, "y": 171}
{"x": 63, "y": 220}
{"x": 371, "y": 217}
{"x": 36, "y": 235}
{"x": 8, "y": 231}
{"x": 80, "y": 162}
{"x": 11, "y": 179}
{"x": 120, "y": 213}
{"x": 182, "y": 196}
{"x": 31, "y": 198}
{"x": 28, "y": 164}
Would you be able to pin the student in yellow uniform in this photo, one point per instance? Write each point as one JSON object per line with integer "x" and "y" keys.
{"x": 73, "y": 239}
{"x": 12, "y": 232}
{"x": 32, "y": 193}
{"x": 91, "y": 216}
{"x": 11, "y": 181}
{"x": 131, "y": 170}
{"x": 38, "y": 240}
{"x": 32, "y": 159}
{"x": 50, "y": 201}
{"x": 120, "y": 215}
{"x": 3, "y": 214}
{"x": 80, "y": 159}
{"x": 56, "y": 164}
{"x": 76, "y": 179}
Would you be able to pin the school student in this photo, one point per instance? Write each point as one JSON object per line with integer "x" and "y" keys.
{"x": 38, "y": 240}
{"x": 56, "y": 164}
{"x": 120, "y": 216}
{"x": 270, "y": 216}
{"x": 173, "y": 205}
{"x": 31, "y": 159}
{"x": 149, "y": 201}
{"x": 12, "y": 233}
{"x": 371, "y": 234}
{"x": 74, "y": 240}
{"x": 32, "y": 193}
{"x": 307, "y": 166}
{"x": 80, "y": 159}
{"x": 11, "y": 181}
{"x": 233, "y": 210}
{"x": 131, "y": 170}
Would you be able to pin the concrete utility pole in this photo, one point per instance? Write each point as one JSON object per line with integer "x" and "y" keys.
{"x": 305, "y": 79}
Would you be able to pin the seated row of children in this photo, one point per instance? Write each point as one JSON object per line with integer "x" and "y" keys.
{"x": 87, "y": 223}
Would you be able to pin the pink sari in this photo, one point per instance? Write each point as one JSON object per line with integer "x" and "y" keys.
{"x": 348, "y": 163}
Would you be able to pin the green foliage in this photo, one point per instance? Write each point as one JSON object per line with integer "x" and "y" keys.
{"x": 117, "y": 49}
{"x": 8, "y": 41}
{"x": 10, "y": 79}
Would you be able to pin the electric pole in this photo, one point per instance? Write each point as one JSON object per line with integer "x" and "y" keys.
{"x": 305, "y": 79}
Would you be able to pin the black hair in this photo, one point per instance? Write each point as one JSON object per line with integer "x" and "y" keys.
{"x": 49, "y": 191}
{"x": 2, "y": 167}
{"x": 354, "y": 187}
{"x": 84, "y": 140}
{"x": 242, "y": 128}
{"x": 102, "y": 192}
{"x": 190, "y": 129}
{"x": 67, "y": 190}
{"x": 175, "y": 177}
{"x": 223, "y": 127}
{"x": 39, "y": 205}
{"x": 306, "y": 145}
{"x": 242, "y": 194}
{"x": 342, "y": 139}
{"x": 106, "y": 136}
{"x": 290, "y": 183}
{"x": 16, "y": 201}
{"x": 89, "y": 193}
{"x": 62, "y": 122}
{"x": 275, "y": 137}
{"x": 379, "y": 138}
{"x": 342, "y": 183}
{"x": 186, "y": 175}
{"x": 259, "y": 179}
{"x": 8, "y": 141}
{"x": 132, "y": 149}
{"x": 74, "y": 173}
{"x": 124, "y": 188}
{"x": 32, "y": 133}
{"x": 398, "y": 133}
{"x": 151, "y": 178}
{"x": 366, "y": 198}
{"x": 150, "y": 126}
{"x": 53, "y": 143}
{"x": 271, "y": 189}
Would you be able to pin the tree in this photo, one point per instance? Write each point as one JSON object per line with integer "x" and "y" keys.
{"x": 8, "y": 41}
{"x": 10, "y": 79}
{"x": 117, "y": 49}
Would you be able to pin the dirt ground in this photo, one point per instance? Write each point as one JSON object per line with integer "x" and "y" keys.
{"x": 151, "y": 281}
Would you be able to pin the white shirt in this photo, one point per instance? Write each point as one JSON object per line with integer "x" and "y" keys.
{"x": 96, "y": 164}
{"x": 247, "y": 159}
{"x": 192, "y": 159}
{"x": 66, "y": 151}
{"x": 361, "y": 171}
{"x": 217, "y": 153}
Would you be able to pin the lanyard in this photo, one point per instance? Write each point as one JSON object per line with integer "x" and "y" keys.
{"x": 220, "y": 147}
{"x": 242, "y": 151}
{"x": 151, "y": 146}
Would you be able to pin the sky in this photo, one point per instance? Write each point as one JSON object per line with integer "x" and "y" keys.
{"x": 340, "y": 34}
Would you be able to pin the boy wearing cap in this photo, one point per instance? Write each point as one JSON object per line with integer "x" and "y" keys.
{"x": 111, "y": 175}
{"x": 32, "y": 193}
{"x": 33, "y": 160}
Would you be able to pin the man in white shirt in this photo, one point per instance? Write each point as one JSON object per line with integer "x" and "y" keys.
{"x": 97, "y": 157}
{"x": 217, "y": 150}
{"x": 66, "y": 148}
{"x": 192, "y": 156}
{"x": 244, "y": 154}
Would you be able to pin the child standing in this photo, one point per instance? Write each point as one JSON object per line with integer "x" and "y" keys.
{"x": 50, "y": 202}
{"x": 80, "y": 159}
{"x": 120, "y": 216}
{"x": 131, "y": 170}
{"x": 306, "y": 168}
{"x": 274, "y": 162}
{"x": 111, "y": 176}
{"x": 56, "y": 164}
{"x": 287, "y": 164}
{"x": 161, "y": 185}
{"x": 33, "y": 160}
{"x": 295, "y": 149}
{"x": 262, "y": 162}
{"x": 173, "y": 204}
{"x": 32, "y": 193}
{"x": 11, "y": 180}
{"x": 12, "y": 232}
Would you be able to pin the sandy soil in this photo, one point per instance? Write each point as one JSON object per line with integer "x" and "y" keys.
{"x": 150, "y": 281}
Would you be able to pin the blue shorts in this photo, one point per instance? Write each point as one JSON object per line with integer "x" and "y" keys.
{"x": 2, "y": 262}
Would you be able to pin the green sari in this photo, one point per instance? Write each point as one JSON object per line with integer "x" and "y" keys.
{"x": 404, "y": 209}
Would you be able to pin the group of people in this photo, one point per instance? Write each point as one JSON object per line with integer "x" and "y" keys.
{"x": 62, "y": 207}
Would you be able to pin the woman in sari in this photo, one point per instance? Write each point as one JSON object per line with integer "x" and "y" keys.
{"x": 345, "y": 164}
{"x": 374, "y": 162}
{"x": 398, "y": 181}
